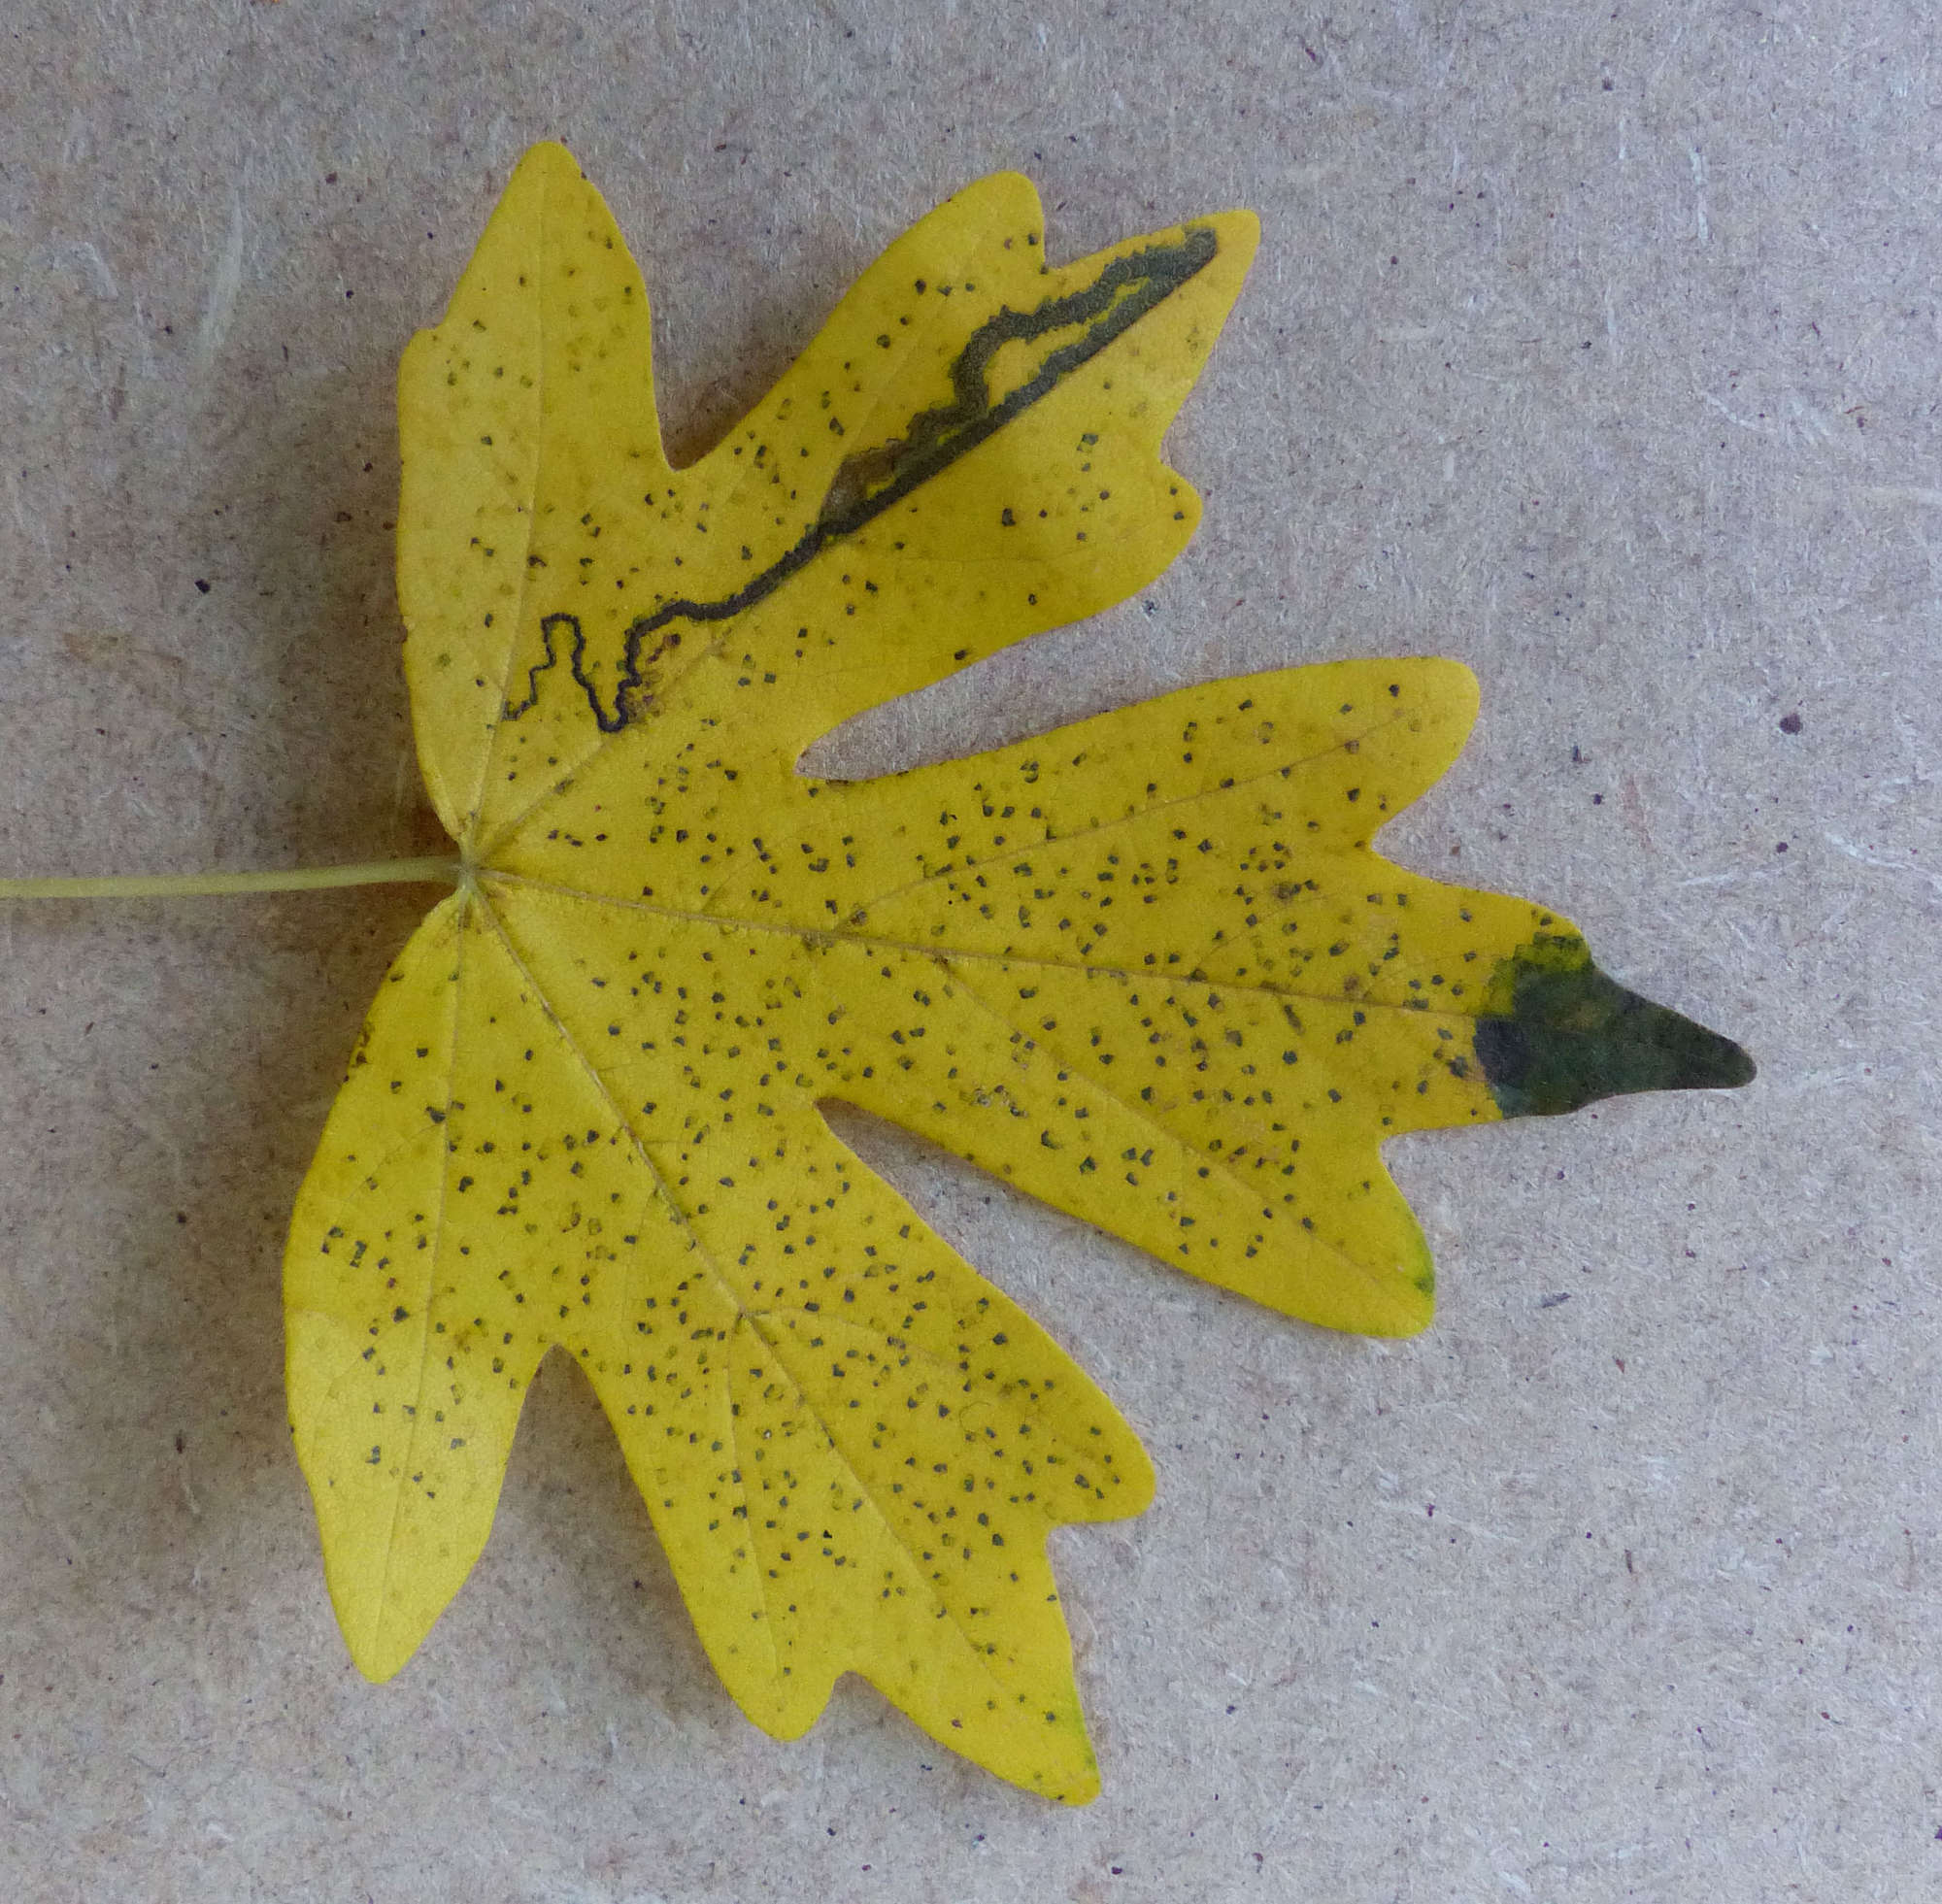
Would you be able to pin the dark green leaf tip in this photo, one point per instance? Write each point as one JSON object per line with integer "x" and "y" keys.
{"x": 1572, "y": 1035}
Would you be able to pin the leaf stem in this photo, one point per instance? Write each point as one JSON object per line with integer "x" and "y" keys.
{"x": 435, "y": 870}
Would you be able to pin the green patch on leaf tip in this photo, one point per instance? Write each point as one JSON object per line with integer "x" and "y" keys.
{"x": 1565, "y": 1034}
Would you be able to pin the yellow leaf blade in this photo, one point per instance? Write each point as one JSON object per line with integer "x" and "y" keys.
{"x": 1206, "y": 1000}
{"x": 1147, "y": 967}
{"x": 967, "y": 453}
{"x": 775, "y": 1336}
{"x": 859, "y": 1470}
{"x": 405, "y": 1376}
{"x": 550, "y": 315}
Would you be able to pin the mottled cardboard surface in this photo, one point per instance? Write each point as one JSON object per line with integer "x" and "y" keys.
{"x": 1597, "y": 348}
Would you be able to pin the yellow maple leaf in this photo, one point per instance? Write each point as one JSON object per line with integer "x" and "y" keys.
{"x": 1145, "y": 967}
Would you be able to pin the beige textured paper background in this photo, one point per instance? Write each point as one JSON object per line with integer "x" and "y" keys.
{"x": 1596, "y": 346}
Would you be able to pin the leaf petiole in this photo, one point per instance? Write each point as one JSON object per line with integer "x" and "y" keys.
{"x": 432, "y": 870}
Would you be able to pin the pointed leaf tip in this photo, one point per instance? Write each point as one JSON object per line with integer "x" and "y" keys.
{"x": 1567, "y": 1034}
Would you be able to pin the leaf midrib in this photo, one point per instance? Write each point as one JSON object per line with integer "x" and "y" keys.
{"x": 475, "y": 810}
{"x": 946, "y": 955}
{"x": 878, "y": 942}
